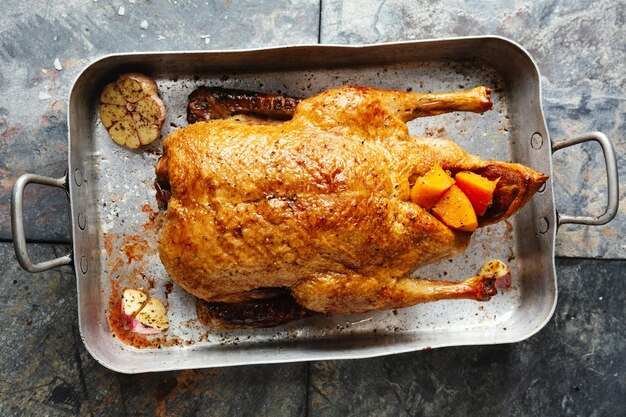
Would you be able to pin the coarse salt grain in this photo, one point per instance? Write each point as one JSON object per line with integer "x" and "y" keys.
{"x": 144, "y": 24}
{"x": 121, "y": 11}
{"x": 44, "y": 96}
{"x": 57, "y": 64}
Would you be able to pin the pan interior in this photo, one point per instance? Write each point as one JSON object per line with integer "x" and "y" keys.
{"x": 118, "y": 244}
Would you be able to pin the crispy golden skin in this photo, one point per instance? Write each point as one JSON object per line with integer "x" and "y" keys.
{"x": 319, "y": 204}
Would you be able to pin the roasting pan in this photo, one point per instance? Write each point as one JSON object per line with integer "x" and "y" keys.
{"x": 112, "y": 201}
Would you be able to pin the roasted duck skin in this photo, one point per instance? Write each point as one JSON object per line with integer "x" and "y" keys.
{"x": 319, "y": 204}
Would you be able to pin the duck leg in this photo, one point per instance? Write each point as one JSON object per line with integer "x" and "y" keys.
{"x": 343, "y": 294}
{"x": 409, "y": 105}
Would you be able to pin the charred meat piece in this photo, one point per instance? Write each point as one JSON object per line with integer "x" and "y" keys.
{"x": 255, "y": 313}
{"x": 163, "y": 192}
{"x": 210, "y": 103}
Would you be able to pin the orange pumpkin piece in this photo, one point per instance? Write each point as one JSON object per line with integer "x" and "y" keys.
{"x": 478, "y": 189}
{"x": 430, "y": 187}
{"x": 455, "y": 210}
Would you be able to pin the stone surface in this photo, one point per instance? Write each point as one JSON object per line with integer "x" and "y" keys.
{"x": 47, "y": 371}
{"x": 33, "y": 103}
{"x": 573, "y": 367}
{"x": 580, "y": 50}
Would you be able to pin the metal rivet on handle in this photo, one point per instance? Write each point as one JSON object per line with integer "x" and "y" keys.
{"x": 543, "y": 225}
{"x": 82, "y": 221}
{"x": 78, "y": 177}
{"x": 536, "y": 140}
{"x": 83, "y": 265}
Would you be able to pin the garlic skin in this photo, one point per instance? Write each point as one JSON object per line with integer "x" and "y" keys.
{"x": 500, "y": 270}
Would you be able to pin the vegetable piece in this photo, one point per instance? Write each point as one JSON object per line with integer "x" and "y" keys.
{"x": 133, "y": 325}
{"x": 142, "y": 314}
{"x": 478, "y": 189}
{"x": 500, "y": 270}
{"x": 154, "y": 314}
{"x": 131, "y": 110}
{"x": 455, "y": 210}
{"x": 132, "y": 301}
{"x": 430, "y": 187}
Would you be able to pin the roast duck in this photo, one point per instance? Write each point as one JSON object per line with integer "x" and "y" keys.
{"x": 277, "y": 208}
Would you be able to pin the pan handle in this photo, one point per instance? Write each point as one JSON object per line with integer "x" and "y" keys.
{"x": 17, "y": 222}
{"x": 611, "y": 175}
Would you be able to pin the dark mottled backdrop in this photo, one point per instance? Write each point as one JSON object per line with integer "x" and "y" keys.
{"x": 575, "y": 366}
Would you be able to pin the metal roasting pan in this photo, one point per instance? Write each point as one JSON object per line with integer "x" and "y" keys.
{"x": 112, "y": 201}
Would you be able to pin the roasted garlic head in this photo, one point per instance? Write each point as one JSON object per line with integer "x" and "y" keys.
{"x": 131, "y": 110}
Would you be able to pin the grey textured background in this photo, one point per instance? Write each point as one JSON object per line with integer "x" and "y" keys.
{"x": 574, "y": 367}
{"x": 580, "y": 48}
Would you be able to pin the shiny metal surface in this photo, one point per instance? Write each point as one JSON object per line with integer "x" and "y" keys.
{"x": 611, "y": 178}
{"x": 112, "y": 197}
{"x": 17, "y": 222}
